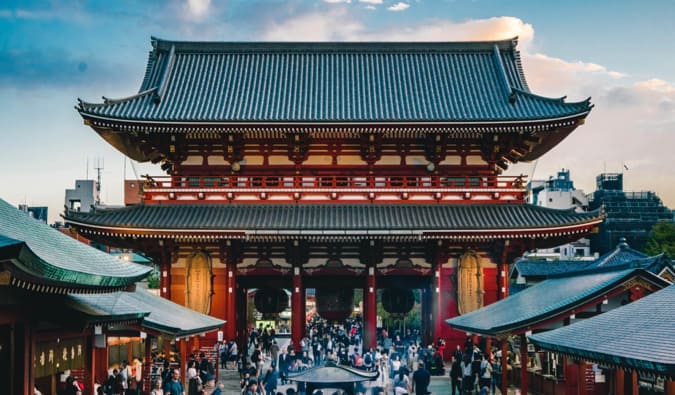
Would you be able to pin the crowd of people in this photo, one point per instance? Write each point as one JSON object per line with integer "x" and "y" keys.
{"x": 404, "y": 365}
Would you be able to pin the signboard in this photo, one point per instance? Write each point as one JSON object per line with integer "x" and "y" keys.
{"x": 56, "y": 356}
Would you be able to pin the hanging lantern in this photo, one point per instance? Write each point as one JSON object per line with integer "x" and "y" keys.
{"x": 270, "y": 300}
{"x": 398, "y": 301}
{"x": 334, "y": 304}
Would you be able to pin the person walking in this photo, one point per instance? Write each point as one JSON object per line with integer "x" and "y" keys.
{"x": 456, "y": 376}
{"x": 421, "y": 379}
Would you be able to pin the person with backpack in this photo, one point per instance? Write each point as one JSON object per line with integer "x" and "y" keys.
{"x": 485, "y": 378}
{"x": 401, "y": 382}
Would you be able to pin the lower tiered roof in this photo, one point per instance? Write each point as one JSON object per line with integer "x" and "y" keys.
{"x": 458, "y": 221}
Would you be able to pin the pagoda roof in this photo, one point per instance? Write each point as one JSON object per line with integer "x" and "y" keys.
{"x": 211, "y": 84}
{"x": 159, "y": 314}
{"x": 638, "y": 335}
{"x": 474, "y": 221}
{"x": 547, "y": 300}
{"x": 38, "y": 256}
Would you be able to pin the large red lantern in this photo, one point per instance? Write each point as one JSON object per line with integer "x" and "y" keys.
{"x": 334, "y": 304}
{"x": 398, "y": 301}
{"x": 270, "y": 300}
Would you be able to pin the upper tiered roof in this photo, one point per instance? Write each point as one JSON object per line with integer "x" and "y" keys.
{"x": 448, "y": 83}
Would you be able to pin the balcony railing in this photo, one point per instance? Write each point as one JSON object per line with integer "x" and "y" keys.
{"x": 333, "y": 188}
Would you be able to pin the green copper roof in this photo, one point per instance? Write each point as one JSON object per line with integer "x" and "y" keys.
{"x": 39, "y": 253}
{"x": 545, "y": 300}
{"x": 164, "y": 315}
{"x": 211, "y": 83}
{"x": 639, "y": 335}
{"x": 432, "y": 217}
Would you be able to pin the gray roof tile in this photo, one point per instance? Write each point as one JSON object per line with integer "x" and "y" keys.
{"x": 638, "y": 335}
{"x": 436, "y": 217}
{"x": 544, "y": 300}
{"x": 164, "y": 315}
{"x": 334, "y": 82}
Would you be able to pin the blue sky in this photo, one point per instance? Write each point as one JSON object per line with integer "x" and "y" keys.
{"x": 52, "y": 52}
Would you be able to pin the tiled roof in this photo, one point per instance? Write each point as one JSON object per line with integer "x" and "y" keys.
{"x": 332, "y": 373}
{"x": 207, "y": 82}
{"x": 327, "y": 217}
{"x": 45, "y": 255}
{"x": 623, "y": 253}
{"x": 544, "y": 300}
{"x": 620, "y": 256}
{"x": 544, "y": 268}
{"x": 164, "y": 315}
{"x": 638, "y": 335}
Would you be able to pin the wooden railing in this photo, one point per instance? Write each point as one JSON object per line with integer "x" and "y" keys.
{"x": 333, "y": 188}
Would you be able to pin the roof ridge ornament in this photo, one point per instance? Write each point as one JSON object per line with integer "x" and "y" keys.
{"x": 163, "y": 83}
{"x": 508, "y": 90}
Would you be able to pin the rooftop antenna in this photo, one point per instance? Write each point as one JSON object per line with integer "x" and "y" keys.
{"x": 99, "y": 169}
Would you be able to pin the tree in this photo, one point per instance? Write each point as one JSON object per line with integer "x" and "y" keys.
{"x": 661, "y": 239}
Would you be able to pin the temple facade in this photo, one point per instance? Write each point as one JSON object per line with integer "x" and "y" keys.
{"x": 334, "y": 166}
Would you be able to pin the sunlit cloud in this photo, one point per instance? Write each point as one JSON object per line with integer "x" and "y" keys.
{"x": 198, "y": 8}
{"x": 337, "y": 1}
{"x": 372, "y": 1}
{"x": 399, "y": 7}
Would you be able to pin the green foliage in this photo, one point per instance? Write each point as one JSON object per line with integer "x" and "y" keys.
{"x": 153, "y": 278}
{"x": 661, "y": 239}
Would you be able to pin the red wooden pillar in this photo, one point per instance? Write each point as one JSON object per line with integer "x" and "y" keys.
{"x": 670, "y": 387}
{"x": 91, "y": 365}
{"x": 523, "y": 364}
{"x": 183, "y": 347}
{"x": 505, "y": 365}
{"x": 231, "y": 302}
{"x": 167, "y": 348}
{"x": 635, "y": 390}
{"x": 619, "y": 382}
{"x": 242, "y": 317}
{"x": 581, "y": 377}
{"x": 370, "y": 310}
{"x": 297, "y": 309}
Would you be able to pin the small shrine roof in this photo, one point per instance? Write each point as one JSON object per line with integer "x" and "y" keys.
{"x": 160, "y": 314}
{"x": 277, "y": 83}
{"x": 332, "y": 373}
{"x": 334, "y": 219}
{"x": 620, "y": 256}
{"x": 638, "y": 336}
{"x": 546, "y": 300}
{"x": 35, "y": 253}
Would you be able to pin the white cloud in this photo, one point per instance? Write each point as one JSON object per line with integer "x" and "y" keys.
{"x": 399, "y": 6}
{"x": 198, "y": 8}
{"x": 372, "y": 1}
{"x": 337, "y": 1}
{"x": 332, "y": 25}
{"x": 371, "y": 7}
